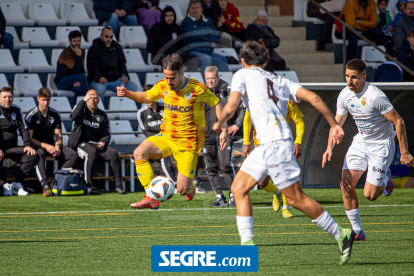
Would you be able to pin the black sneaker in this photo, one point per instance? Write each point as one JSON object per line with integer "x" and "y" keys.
{"x": 120, "y": 190}
{"x": 220, "y": 201}
{"x": 93, "y": 191}
{"x": 345, "y": 241}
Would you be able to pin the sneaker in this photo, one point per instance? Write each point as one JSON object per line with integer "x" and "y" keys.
{"x": 200, "y": 190}
{"x": 147, "y": 202}
{"x": 249, "y": 242}
{"x": 286, "y": 213}
{"x": 360, "y": 236}
{"x": 47, "y": 191}
{"x": 220, "y": 201}
{"x": 277, "y": 202}
{"x": 17, "y": 189}
{"x": 120, "y": 190}
{"x": 191, "y": 195}
{"x": 93, "y": 191}
{"x": 7, "y": 189}
{"x": 345, "y": 241}
{"x": 232, "y": 203}
{"x": 390, "y": 185}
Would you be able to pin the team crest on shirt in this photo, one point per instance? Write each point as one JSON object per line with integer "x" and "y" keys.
{"x": 363, "y": 100}
{"x": 188, "y": 95}
{"x": 166, "y": 93}
{"x": 51, "y": 120}
{"x": 98, "y": 118}
{"x": 13, "y": 116}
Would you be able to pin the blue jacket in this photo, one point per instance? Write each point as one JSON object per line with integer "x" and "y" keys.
{"x": 389, "y": 71}
{"x": 203, "y": 33}
{"x": 399, "y": 15}
{"x": 405, "y": 56}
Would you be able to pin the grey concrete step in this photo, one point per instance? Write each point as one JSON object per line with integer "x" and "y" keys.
{"x": 296, "y": 46}
{"x": 239, "y": 3}
{"x": 309, "y": 58}
{"x": 248, "y": 10}
{"x": 276, "y": 21}
{"x": 290, "y": 33}
{"x": 273, "y": 10}
{"x": 317, "y": 69}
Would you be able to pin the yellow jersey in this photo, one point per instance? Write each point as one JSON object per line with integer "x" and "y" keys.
{"x": 184, "y": 116}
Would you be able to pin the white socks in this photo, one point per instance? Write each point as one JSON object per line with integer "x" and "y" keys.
{"x": 355, "y": 219}
{"x": 147, "y": 192}
{"x": 245, "y": 226}
{"x": 278, "y": 192}
{"x": 326, "y": 222}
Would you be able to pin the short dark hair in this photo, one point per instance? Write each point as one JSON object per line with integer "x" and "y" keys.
{"x": 147, "y": 87}
{"x": 192, "y": 2}
{"x": 74, "y": 34}
{"x": 357, "y": 64}
{"x": 410, "y": 33}
{"x": 253, "y": 53}
{"x": 7, "y": 89}
{"x": 172, "y": 62}
{"x": 44, "y": 92}
{"x": 380, "y": 1}
{"x": 106, "y": 28}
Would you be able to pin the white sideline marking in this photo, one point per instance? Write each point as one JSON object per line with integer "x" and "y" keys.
{"x": 188, "y": 209}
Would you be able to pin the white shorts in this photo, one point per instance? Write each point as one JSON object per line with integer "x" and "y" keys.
{"x": 375, "y": 157}
{"x": 274, "y": 159}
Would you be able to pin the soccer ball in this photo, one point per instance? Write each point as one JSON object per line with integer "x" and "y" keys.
{"x": 161, "y": 188}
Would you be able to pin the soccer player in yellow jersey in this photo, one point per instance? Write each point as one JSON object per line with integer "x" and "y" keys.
{"x": 182, "y": 130}
{"x": 267, "y": 184}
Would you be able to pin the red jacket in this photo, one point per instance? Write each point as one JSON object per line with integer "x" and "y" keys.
{"x": 232, "y": 19}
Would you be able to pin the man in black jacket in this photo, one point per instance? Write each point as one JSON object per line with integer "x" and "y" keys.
{"x": 260, "y": 32}
{"x": 11, "y": 121}
{"x": 211, "y": 145}
{"x": 90, "y": 137}
{"x": 45, "y": 131}
{"x": 5, "y": 38}
{"x": 107, "y": 65}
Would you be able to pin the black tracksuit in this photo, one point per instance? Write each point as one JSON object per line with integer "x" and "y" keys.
{"x": 43, "y": 128}
{"x": 11, "y": 121}
{"x": 212, "y": 147}
{"x": 93, "y": 127}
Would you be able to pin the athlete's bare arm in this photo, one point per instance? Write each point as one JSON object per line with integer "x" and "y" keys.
{"x": 328, "y": 153}
{"x": 139, "y": 97}
{"x": 228, "y": 111}
{"x": 223, "y": 135}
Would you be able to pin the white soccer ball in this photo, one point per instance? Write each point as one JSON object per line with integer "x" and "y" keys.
{"x": 161, "y": 188}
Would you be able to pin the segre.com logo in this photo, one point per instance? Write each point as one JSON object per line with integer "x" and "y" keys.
{"x": 205, "y": 258}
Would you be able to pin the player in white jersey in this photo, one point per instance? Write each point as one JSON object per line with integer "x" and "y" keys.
{"x": 266, "y": 96}
{"x": 372, "y": 149}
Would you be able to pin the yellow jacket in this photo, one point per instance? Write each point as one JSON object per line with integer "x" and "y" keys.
{"x": 353, "y": 11}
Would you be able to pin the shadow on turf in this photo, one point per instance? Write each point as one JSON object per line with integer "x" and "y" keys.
{"x": 30, "y": 241}
{"x": 293, "y": 244}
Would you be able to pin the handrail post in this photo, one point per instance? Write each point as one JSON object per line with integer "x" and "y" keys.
{"x": 344, "y": 56}
{"x": 266, "y": 8}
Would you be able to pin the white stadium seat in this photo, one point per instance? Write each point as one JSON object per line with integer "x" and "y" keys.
{"x": 52, "y": 86}
{"x": 3, "y": 81}
{"x": 14, "y": 15}
{"x": 229, "y": 52}
{"x": 134, "y": 78}
{"x": 124, "y": 139}
{"x": 95, "y": 32}
{"x": 38, "y": 37}
{"x": 44, "y": 14}
{"x": 34, "y": 60}
{"x": 133, "y": 36}
{"x": 62, "y": 35}
{"x": 75, "y": 14}
{"x": 372, "y": 57}
{"x": 65, "y": 138}
{"x": 16, "y": 40}
{"x": 27, "y": 84}
{"x": 290, "y": 75}
{"x": 120, "y": 104}
{"x": 61, "y": 104}
{"x": 25, "y": 103}
{"x": 7, "y": 64}
{"x": 194, "y": 75}
{"x": 55, "y": 56}
{"x": 135, "y": 61}
{"x": 226, "y": 76}
{"x": 149, "y": 61}
{"x": 339, "y": 41}
{"x": 153, "y": 78}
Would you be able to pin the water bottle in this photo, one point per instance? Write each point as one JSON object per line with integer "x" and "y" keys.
{"x": 123, "y": 80}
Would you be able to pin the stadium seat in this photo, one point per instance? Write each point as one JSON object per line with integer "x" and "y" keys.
{"x": 306, "y": 18}
{"x": 55, "y": 56}
{"x": 44, "y": 14}
{"x": 177, "y": 9}
{"x": 121, "y": 104}
{"x": 194, "y": 75}
{"x": 153, "y": 78}
{"x": 125, "y": 139}
{"x": 25, "y": 103}
{"x": 65, "y": 138}
{"x": 95, "y": 32}
{"x": 229, "y": 52}
{"x": 75, "y": 14}
{"x": 372, "y": 57}
{"x": 3, "y": 80}
{"x": 62, "y": 104}
{"x": 149, "y": 61}
{"x": 135, "y": 61}
{"x": 27, "y": 84}
{"x": 290, "y": 75}
{"x": 19, "y": 141}
{"x": 34, "y": 60}
{"x": 62, "y": 35}
{"x": 133, "y": 36}
{"x": 100, "y": 104}
{"x": 7, "y": 64}
{"x": 226, "y": 76}
{"x": 16, "y": 40}
{"x": 339, "y": 41}
{"x": 38, "y": 37}
{"x": 14, "y": 15}
{"x": 52, "y": 86}
{"x": 134, "y": 78}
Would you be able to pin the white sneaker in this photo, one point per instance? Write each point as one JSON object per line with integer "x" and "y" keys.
{"x": 7, "y": 189}
{"x": 17, "y": 189}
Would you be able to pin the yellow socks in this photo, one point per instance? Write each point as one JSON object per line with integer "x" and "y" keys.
{"x": 285, "y": 203}
{"x": 271, "y": 188}
{"x": 144, "y": 172}
{"x": 191, "y": 189}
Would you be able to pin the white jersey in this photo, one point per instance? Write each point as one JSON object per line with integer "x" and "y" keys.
{"x": 368, "y": 109}
{"x": 266, "y": 97}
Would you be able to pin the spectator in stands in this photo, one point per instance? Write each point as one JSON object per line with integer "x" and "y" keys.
{"x": 11, "y": 121}
{"x": 405, "y": 55}
{"x": 212, "y": 10}
{"x": 107, "y": 65}
{"x": 45, "y": 131}
{"x": 232, "y": 20}
{"x": 362, "y": 16}
{"x": 147, "y": 17}
{"x": 260, "y": 32}
{"x": 90, "y": 137}
{"x": 313, "y": 11}
{"x": 114, "y": 11}
{"x": 384, "y": 22}
{"x": 389, "y": 71}
{"x": 404, "y": 26}
{"x": 400, "y": 8}
{"x": 213, "y": 156}
{"x": 5, "y": 38}
{"x": 203, "y": 33}
{"x": 70, "y": 71}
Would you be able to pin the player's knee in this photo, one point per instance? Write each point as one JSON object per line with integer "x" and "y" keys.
{"x": 139, "y": 153}
{"x": 345, "y": 186}
{"x": 370, "y": 195}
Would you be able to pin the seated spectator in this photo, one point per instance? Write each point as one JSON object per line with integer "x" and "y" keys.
{"x": 5, "y": 38}
{"x": 362, "y": 16}
{"x": 384, "y": 22}
{"x": 389, "y": 71}
{"x": 113, "y": 11}
{"x": 400, "y": 8}
{"x": 406, "y": 57}
{"x": 260, "y": 32}
{"x": 232, "y": 20}
{"x": 164, "y": 38}
{"x": 70, "y": 71}
{"x": 45, "y": 131}
{"x": 107, "y": 65}
{"x": 90, "y": 138}
{"x": 11, "y": 121}
{"x": 404, "y": 26}
{"x": 212, "y": 10}
{"x": 148, "y": 17}
{"x": 203, "y": 33}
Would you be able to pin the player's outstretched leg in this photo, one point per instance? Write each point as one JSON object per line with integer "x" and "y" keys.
{"x": 285, "y": 210}
{"x": 267, "y": 185}
{"x": 389, "y": 185}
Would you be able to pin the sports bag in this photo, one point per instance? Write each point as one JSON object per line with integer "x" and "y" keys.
{"x": 68, "y": 182}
